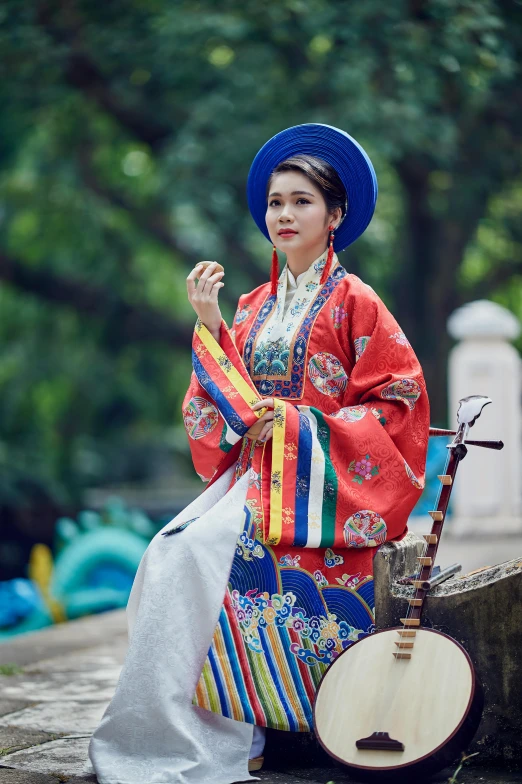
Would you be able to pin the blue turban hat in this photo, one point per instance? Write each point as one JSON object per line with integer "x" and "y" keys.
{"x": 337, "y": 148}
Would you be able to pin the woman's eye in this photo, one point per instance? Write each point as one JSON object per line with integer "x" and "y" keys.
{"x": 277, "y": 202}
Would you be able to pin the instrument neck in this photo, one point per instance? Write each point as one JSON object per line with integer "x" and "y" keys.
{"x": 438, "y": 515}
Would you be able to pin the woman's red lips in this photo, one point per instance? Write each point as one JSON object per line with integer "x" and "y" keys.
{"x": 286, "y": 231}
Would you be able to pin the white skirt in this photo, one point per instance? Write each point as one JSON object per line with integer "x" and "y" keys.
{"x": 151, "y": 732}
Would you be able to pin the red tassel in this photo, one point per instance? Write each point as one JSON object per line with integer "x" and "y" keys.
{"x": 274, "y": 273}
{"x": 328, "y": 264}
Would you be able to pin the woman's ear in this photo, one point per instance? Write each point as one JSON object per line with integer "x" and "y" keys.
{"x": 336, "y": 217}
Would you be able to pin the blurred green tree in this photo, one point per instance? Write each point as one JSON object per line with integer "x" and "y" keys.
{"x": 126, "y": 134}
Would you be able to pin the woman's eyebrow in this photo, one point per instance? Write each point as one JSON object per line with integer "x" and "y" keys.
{"x": 294, "y": 193}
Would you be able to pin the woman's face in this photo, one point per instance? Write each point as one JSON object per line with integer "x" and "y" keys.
{"x": 296, "y": 216}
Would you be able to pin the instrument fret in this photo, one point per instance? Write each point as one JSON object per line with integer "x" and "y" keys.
{"x": 427, "y": 559}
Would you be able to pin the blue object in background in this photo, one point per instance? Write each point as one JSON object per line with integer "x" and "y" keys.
{"x": 435, "y": 465}
{"x": 22, "y": 608}
{"x": 91, "y": 570}
{"x": 95, "y": 570}
{"x": 18, "y": 598}
{"x": 111, "y": 575}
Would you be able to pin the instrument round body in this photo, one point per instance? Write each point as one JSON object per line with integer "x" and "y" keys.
{"x": 430, "y": 704}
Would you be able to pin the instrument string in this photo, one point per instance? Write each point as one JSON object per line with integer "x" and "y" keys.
{"x": 408, "y": 614}
{"x": 411, "y": 608}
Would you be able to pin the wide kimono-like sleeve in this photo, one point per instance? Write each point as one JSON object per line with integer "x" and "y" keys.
{"x": 217, "y": 408}
{"x": 351, "y": 477}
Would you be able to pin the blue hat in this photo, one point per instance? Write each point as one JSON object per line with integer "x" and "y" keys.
{"x": 335, "y": 147}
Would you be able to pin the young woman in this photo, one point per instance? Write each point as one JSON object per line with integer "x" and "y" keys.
{"x": 309, "y": 419}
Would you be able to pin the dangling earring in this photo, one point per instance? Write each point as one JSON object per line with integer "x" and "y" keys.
{"x": 326, "y": 270}
{"x": 274, "y": 272}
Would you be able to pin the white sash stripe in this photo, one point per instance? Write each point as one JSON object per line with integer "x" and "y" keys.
{"x": 315, "y": 498}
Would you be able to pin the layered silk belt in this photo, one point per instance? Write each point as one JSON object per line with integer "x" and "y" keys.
{"x": 221, "y": 371}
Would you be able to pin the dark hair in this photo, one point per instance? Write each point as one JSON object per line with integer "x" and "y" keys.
{"x": 320, "y": 173}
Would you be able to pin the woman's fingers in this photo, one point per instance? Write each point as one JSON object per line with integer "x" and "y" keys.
{"x": 205, "y": 285}
{"x": 210, "y": 277}
{"x": 208, "y": 273}
{"x": 266, "y": 432}
{"x": 267, "y": 416}
{"x": 212, "y": 293}
{"x": 200, "y": 285}
{"x": 267, "y": 403}
{"x": 217, "y": 266}
{"x": 193, "y": 274}
{"x": 215, "y": 291}
{"x": 208, "y": 269}
{"x": 191, "y": 281}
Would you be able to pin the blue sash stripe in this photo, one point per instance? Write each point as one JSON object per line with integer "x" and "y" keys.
{"x": 226, "y": 409}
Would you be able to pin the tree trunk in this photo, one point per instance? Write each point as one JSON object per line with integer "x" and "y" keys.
{"x": 419, "y": 307}
{"x": 425, "y": 289}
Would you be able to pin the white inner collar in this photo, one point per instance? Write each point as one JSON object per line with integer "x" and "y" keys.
{"x": 294, "y": 282}
{"x": 295, "y": 294}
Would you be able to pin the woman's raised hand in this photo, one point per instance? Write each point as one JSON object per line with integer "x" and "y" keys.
{"x": 203, "y": 295}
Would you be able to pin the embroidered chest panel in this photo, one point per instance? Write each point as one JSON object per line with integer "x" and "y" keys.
{"x": 278, "y": 366}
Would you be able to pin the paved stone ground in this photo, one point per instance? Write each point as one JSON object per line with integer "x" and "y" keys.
{"x": 65, "y": 678}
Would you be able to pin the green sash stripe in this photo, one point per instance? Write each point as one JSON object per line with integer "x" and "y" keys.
{"x": 330, "y": 482}
{"x": 223, "y": 443}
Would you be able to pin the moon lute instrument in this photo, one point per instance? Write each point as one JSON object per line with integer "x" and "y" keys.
{"x": 406, "y": 701}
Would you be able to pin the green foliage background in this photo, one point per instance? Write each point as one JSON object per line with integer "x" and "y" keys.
{"x": 126, "y": 133}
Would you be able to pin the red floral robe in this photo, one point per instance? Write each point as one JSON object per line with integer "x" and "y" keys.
{"x": 340, "y": 476}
